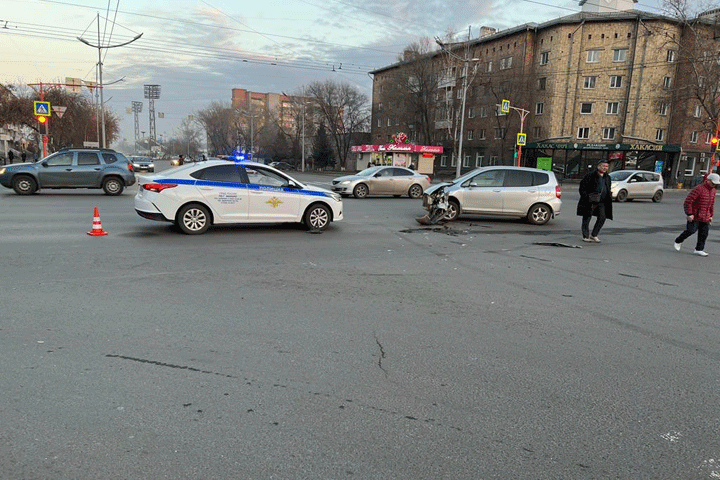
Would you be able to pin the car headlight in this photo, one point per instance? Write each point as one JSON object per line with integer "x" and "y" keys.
{"x": 336, "y": 197}
{"x": 2, "y": 171}
{"x": 151, "y": 165}
{"x": 344, "y": 182}
{"x": 613, "y": 185}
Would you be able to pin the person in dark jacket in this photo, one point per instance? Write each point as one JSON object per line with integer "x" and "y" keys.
{"x": 699, "y": 208}
{"x": 595, "y": 201}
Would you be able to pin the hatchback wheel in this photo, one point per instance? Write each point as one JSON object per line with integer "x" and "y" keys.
{"x": 24, "y": 185}
{"x": 452, "y": 212}
{"x": 317, "y": 217}
{"x": 622, "y": 196}
{"x": 539, "y": 214}
{"x": 193, "y": 219}
{"x": 415, "y": 191}
{"x": 360, "y": 190}
{"x": 658, "y": 196}
{"x": 113, "y": 186}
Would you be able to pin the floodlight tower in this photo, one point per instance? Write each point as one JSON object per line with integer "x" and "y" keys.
{"x": 136, "y": 108}
{"x": 152, "y": 93}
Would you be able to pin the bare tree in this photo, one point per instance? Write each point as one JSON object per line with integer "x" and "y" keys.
{"x": 697, "y": 52}
{"x": 416, "y": 87}
{"x": 345, "y": 111}
{"x": 219, "y": 122}
{"x": 78, "y": 124}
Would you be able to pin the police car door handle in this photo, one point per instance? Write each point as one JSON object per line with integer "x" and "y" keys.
{"x": 68, "y": 169}
{"x": 205, "y": 188}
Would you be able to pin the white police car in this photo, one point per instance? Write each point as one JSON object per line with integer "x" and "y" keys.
{"x": 221, "y": 192}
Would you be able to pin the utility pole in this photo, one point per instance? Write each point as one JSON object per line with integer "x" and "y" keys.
{"x": 136, "y": 109}
{"x": 99, "y": 46}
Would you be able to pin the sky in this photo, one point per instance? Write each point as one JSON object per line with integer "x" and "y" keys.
{"x": 199, "y": 50}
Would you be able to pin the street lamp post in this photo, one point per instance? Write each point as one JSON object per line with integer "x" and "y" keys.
{"x": 99, "y": 46}
{"x": 466, "y": 59}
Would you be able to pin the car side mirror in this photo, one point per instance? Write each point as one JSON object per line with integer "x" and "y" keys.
{"x": 376, "y": 175}
{"x": 44, "y": 164}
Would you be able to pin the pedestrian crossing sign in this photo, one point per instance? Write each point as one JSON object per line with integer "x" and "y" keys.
{"x": 42, "y": 109}
{"x": 521, "y": 138}
{"x": 505, "y": 106}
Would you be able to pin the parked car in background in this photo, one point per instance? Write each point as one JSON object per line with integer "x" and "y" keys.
{"x": 216, "y": 191}
{"x": 71, "y": 168}
{"x": 282, "y": 166}
{"x": 502, "y": 191}
{"x": 396, "y": 181}
{"x": 632, "y": 184}
{"x": 142, "y": 164}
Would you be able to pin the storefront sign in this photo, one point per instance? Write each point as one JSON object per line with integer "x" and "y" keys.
{"x": 391, "y": 147}
{"x": 640, "y": 147}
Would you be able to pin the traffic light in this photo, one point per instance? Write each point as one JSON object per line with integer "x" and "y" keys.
{"x": 715, "y": 142}
{"x": 43, "y": 124}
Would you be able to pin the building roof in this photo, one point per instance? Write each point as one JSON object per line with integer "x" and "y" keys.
{"x": 572, "y": 19}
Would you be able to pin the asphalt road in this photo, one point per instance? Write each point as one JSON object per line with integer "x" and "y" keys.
{"x": 379, "y": 349}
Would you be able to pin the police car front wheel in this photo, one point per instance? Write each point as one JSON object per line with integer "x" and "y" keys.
{"x": 317, "y": 217}
{"x": 193, "y": 219}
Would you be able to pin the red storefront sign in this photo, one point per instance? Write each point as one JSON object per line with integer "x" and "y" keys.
{"x": 391, "y": 147}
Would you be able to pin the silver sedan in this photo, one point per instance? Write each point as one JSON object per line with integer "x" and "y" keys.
{"x": 395, "y": 181}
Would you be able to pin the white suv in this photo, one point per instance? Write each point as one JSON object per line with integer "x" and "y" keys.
{"x": 503, "y": 191}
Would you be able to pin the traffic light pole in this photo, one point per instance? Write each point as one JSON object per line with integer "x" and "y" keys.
{"x": 715, "y": 149}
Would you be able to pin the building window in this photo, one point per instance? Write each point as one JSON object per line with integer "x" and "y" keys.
{"x": 542, "y": 82}
{"x": 583, "y": 133}
{"x": 443, "y": 161}
{"x": 613, "y": 108}
{"x": 481, "y": 134}
{"x": 379, "y": 123}
{"x": 479, "y": 159}
{"x": 707, "y": 139}
{"x": 593, "y": 56}
{"x": 664, "y": 109}
{"x": 505, "y": 63}
{"x": 694, "y": 137}
{"x": 544, "y": 57}
{"x": 539, "y": 108}
{"x": 483, "y": 111}
{"x": 608, "y": 133}
{"x": 499, "y": 132}
{"x": 471, "y": 112}
{"x": 586, "y": 108}
{"x": 698, "y": 111}
{"x": 488, "y": 67}
{"x": 659, "y": 134}
{"x": 389, "y": 122}
{"x": 453, "y": 163}
{"x": 616, "y": 81}
{"x": 466, "y": 161}
{"x": 380, "y": 107}
{"x": 493, "y": 160}
{"x": 470, "y": 134}
{"x": 670, "y": 56}
{"x": 589, "y": 82}
{"x": 620, "y": 54}
{"x": 537, "y": 132}
{"x": 667, "y": 82}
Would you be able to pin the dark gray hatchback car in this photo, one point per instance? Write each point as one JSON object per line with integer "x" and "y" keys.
{"x": 71, "y": 168}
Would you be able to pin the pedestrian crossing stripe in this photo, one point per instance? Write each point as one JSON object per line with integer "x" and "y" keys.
{"x": 42, "y": 109}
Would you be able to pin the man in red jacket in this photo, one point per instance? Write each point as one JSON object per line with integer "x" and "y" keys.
{"x": 699, "y": 207}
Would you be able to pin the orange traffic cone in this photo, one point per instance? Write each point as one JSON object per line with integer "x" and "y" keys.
{"x": 97, "y": 230}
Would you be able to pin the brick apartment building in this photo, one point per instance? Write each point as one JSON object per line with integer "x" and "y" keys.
{"x": 608, "y": 82}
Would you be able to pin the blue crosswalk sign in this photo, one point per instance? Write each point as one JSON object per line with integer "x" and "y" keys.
{"x": 521, "y": 138}
{"x": 42, "y": 109}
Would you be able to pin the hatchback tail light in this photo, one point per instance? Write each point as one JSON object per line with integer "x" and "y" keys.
{"x": 429, "y": 179}
{"x": 558, "y": 191}
{"x": 130, "y": 167}
{"x": 158, "y": 187}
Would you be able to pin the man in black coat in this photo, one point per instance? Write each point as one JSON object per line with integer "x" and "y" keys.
{"x": 595, "y": 201}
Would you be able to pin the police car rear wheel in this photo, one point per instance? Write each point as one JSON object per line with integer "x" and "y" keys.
{"x": 317, "y": 217}
{"x": 193, "y": 219}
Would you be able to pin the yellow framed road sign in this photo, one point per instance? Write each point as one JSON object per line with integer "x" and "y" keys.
{"x": 42, "y": 109}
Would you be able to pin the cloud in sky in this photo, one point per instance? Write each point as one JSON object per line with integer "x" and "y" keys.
{"x": 198, "y": 50}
